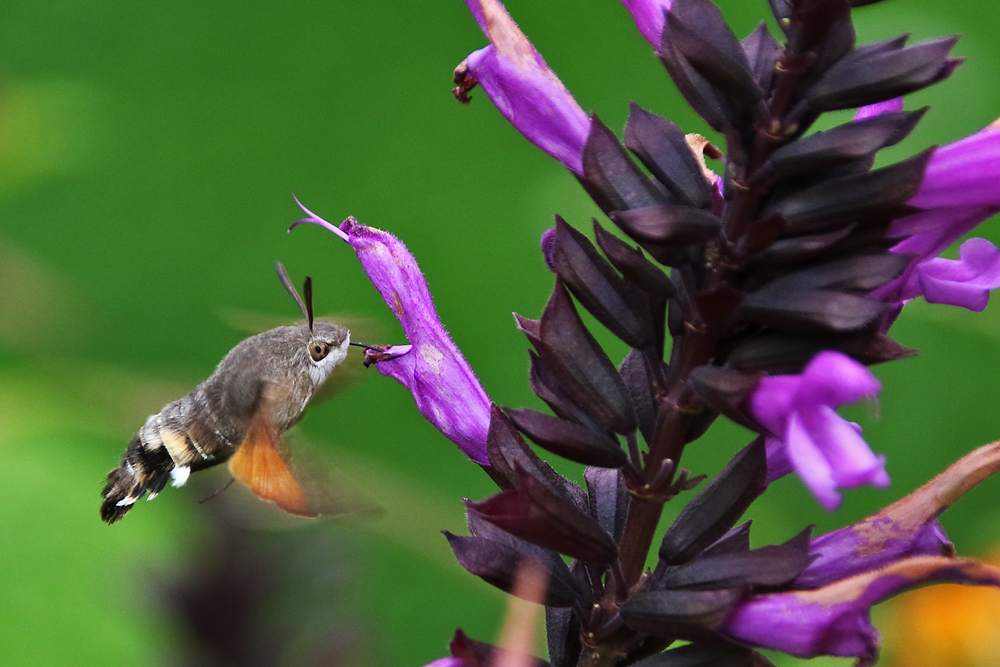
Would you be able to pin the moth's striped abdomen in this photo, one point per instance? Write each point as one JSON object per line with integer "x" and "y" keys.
{"x": 168, "y": 446}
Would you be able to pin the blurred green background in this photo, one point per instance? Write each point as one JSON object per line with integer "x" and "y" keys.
{"x": 147, "y": 156}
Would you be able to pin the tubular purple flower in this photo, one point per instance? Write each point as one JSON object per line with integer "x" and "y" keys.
{"x": 873, "y": 543}
{"x": 835, "y": 619}
{"x": 963, "y": 174}
{"x": 958, "y": 192}
{"x": 900, "y": 547}
{"x": 443, "y": 385}
{"x": 648, "y": 15}
{"x": 808, "y": 436}
{"x": 523, "y": 88}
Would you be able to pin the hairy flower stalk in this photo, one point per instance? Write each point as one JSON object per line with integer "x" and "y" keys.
{"x": 761, "y": 296}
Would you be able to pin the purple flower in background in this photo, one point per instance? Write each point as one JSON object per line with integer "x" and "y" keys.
{"x": 443, "y": 385}
{"x": 808, "y": 436}
{"x": 901, "y": 547}
{"x": 523, "y": 88}
{"x": 648, "y": 15}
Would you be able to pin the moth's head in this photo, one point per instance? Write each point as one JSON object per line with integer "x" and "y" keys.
{"x": 327, "y": 347}
{"x": 326, "y": 343}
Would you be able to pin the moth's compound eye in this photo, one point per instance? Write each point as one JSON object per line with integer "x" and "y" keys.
{"x": 318, "y": 350}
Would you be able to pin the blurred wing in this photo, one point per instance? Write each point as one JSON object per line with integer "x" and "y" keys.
{"x": 258, "y": 465}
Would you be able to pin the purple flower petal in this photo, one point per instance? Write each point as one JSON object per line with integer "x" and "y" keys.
{"x": 825, "y": 450}
{"x": 811, "y": 463}
{"x": 648, "y": 15}
{"x": 523, "y": 88}
{"x": 889, "y": 106}
{"x": 443, "y": 385}
{"x": 963, "y": 174}
{"x": 841, "y": 442}
{"x": 773, "y": 400}
{"x": 832, "y": 378}
{"x": 869, "y": 545}
{"x": 964, "y": 282}
{"x": 835, "y": 619}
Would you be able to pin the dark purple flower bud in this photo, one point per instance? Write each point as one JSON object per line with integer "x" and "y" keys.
{"x": 523, "y": 88}
{"x": 533, "y": 512}
{"x": 827, "y": 451}
{"x": 712, "y": 513}
{"x": 499, "y": 558}
{"x": 876, "y": 73}
{"x": 648, "y": 15}
{"x": 443, "y": 385}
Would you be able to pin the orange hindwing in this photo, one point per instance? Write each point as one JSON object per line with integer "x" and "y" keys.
{"x": 258, "y": 465}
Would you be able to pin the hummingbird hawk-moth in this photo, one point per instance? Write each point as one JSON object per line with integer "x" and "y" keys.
{"x": 257, "y": 392}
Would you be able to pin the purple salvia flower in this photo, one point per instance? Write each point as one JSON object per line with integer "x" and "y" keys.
{"x": 648, "y": 15}
{"x": 900, "y": 547}
{"x": 958, "y": 192}
{"x": 523, "y": 88}
{"x": 835, "y": 619}
{"x": 809, "y": 436}
{"x": 443, "y": 385}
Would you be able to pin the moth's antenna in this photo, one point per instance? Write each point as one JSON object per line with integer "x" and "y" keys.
{"x": 307, "y": 289}
{"x": 283, "y": 275}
